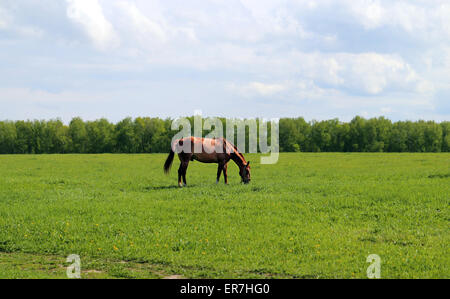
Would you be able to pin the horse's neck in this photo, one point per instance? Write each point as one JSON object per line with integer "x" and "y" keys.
{"x": 238, "y": 159}
{"x": 235, "y": 155}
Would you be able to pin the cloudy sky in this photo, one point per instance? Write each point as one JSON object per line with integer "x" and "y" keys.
{"x": 249, "y": 58}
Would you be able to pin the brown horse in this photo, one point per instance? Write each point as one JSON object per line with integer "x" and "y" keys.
{"x": 207, "y": 150}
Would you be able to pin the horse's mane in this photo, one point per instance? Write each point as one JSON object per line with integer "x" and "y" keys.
{"x": 237, "y": 152}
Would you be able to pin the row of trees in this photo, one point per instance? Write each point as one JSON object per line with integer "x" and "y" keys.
{"x": 364, "y": 135}
{"x": 153, "y": 135}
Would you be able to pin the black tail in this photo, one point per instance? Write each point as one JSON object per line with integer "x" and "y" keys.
{"x": 169, "y": 161}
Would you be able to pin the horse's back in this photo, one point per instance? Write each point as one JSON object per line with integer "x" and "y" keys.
{"x": 205, "y": 150}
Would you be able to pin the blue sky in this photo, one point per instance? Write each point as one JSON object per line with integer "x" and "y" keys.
{"x": 250, "y": 58}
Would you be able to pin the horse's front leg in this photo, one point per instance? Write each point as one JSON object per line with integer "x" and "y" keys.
{"x": 219, "y": 171}
{"x": 225, "y": 173}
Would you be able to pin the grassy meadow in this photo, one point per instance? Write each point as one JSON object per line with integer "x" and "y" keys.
{"x": 308, "y": 216}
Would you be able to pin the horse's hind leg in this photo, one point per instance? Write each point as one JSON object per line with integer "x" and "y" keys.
{"x": 184, "y": 162}
{"x": 184, "y": 173}
{"x": 180, "y": 173}
{"x": 185, "y": 166}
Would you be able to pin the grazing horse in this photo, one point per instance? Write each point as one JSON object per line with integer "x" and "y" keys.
{"x": 218, "y": 151}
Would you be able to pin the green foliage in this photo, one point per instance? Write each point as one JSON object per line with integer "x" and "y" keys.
{"x": 8, "y": 137}
{"x": 153, "y": 135}
{"x": 78, "y": 136}
{"x": 308, "y": 216}
{"x": 100, "y": 136}
{"x": 125, "y": 137}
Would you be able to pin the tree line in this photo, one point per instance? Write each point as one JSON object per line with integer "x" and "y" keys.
{"x": 153, "y": 135}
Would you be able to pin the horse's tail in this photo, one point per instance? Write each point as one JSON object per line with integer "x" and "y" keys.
{"x": 169, "y": 161}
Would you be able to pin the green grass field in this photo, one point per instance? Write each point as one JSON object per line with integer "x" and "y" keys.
{"x": 309, "y": 216}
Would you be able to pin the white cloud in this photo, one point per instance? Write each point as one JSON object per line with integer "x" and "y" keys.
{"x": 365, "y": 73}
{"x": 369, "y": 12}
{"x": 21, "y": 95}
{"x": 370, "y": 73}
{"x": 307, "y": 89}
{"x": 373, "y": 72}
{"x": 8, "y": 23}
{"x": 427, "y": 20}
{"x": 4, "y": 18}
{"x": 89, "y": 14}
{"x": 142, "y": 25}
{"x": 273, "y": 18}
{"x": 386, "y": 110}
{"x": 376, "y": 53}
{"x": 257, "y": 88}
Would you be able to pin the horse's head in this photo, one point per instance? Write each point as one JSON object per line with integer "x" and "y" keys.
{"x": 244, "y": 172}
